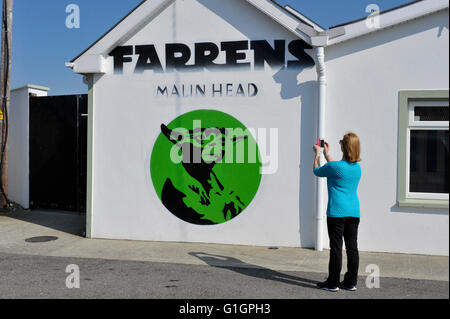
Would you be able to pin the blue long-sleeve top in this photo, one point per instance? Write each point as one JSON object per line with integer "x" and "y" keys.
{"x": 342, "y": 179}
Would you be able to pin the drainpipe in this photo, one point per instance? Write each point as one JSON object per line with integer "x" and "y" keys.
{"x": 322, "y": 79}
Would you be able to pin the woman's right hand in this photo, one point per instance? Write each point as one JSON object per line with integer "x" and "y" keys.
{"x": 317, "y": 150}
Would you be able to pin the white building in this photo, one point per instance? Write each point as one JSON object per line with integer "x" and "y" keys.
{"x": 268, "y": 67}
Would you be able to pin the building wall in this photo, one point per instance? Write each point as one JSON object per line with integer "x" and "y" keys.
{"x": 19, "y": 141}
{"x": 365, "y": 76}
{"x": 127, "y": 116}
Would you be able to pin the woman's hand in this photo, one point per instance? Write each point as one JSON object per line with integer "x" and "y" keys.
{"x": 326, "y": 152}
{"x": 326, "y": 149}
{"x": 317, "y": 150}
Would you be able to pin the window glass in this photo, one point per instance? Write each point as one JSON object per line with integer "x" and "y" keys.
{"x": 429, "y": 161}
{"x": 435, "y": 113}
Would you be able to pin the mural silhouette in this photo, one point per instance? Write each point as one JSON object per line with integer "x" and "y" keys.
{"x": 204, "y": 188}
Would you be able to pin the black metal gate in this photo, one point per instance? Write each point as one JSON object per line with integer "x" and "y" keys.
{"x": 58, "y": 152}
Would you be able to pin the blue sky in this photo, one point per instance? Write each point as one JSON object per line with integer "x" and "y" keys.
{"x": 42, "y": 43}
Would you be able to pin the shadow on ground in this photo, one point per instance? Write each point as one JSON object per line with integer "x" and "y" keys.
{"x": 67, "y": 222}
{"x": 256, "y": 271}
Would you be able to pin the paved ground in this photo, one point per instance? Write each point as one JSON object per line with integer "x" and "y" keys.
{"x": 125, "y": 269}
{"x": 25, "y": 276}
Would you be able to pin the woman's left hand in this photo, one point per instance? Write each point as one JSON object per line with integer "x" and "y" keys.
{"x": 326, "y": 149}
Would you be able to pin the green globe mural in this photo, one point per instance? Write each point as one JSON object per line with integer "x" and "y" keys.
{"x": 205, "y": 167}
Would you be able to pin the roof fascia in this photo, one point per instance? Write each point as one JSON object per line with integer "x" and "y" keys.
{"x": 94, "y": 59}
{"x": 284, "y": 18}
{"x": 388, "y": 19}
{"x": 299, "y": 15}
{"x": 122, "y": 30}
{"x": 148, "y": 9}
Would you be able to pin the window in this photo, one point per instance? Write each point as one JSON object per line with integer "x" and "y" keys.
{"x": 428, "y": 150}
{"x": 423, "y": 149}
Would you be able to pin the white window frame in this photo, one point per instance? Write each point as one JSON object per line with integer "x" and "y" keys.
{"x": 422, "y": 125}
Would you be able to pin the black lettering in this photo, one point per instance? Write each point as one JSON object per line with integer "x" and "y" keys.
{"x": 148, "y": 59}
{"x": 174, "y": 62}
{"x": 201, "y": 90}
{"x": 264, "y": 52}
{"x": 233, "y": 56}
{"x": 297, "y": 49}
{"x": 229, "y": 89}
{"x": 184, "y": 91}
{"x": 255, "y": 90}
{"x": 175, "y": 91}
{"x": 240, "y": 91}
{"x": 214, "y": 91}
{"x": 162, "y": 91}
{"x": 119, "y": 57}
{"x": 205, "y": 54}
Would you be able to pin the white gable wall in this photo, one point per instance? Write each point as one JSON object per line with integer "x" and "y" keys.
{"x": 127, "y": 118}
{"x": 365, "y": 76}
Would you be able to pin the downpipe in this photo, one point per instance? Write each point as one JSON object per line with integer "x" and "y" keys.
{"x": 320, "y": 190}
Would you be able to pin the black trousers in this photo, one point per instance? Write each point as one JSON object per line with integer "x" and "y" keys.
{"x": 347, "y": 228}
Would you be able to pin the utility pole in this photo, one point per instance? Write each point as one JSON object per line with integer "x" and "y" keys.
{"x": 5, "y": 96}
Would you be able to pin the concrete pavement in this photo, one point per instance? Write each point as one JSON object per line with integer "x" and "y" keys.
{"x": 16, "y": 227}
{"x": 43, "y": 277}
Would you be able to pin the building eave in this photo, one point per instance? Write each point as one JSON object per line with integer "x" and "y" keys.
{"x": 305, "y": 19}
{"x": 389, "y": 18}
{"x": 107, "y": 32}
{"x": 92, "y": 60}
{"x": 285, "y": 18}
{"x": 32, "y": 87}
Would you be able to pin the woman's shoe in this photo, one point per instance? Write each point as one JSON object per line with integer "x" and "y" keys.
{"x": 344, "y": 286}
{"x": 326, "y": 286}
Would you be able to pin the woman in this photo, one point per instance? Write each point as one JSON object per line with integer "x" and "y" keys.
{"x": 343, "y": 213}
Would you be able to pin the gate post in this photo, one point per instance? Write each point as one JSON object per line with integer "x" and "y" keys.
{"x": 19, "y": 121}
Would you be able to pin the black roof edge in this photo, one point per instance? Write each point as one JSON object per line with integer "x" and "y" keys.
{"x": 98, "y": 40}
{"x": 382, "y": 12}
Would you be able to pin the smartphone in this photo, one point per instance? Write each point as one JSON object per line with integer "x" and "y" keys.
{"x": 321, "y": 143}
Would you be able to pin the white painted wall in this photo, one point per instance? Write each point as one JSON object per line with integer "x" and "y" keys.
{"x": 18, "y": 140}
{"x": 365, "y": 76}
{"x": 127, "y": 119}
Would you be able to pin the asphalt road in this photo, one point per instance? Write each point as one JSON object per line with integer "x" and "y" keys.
{"x": 24, "y": 276}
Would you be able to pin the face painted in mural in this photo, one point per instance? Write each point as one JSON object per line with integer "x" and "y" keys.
{"x": 193, "y": 173}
